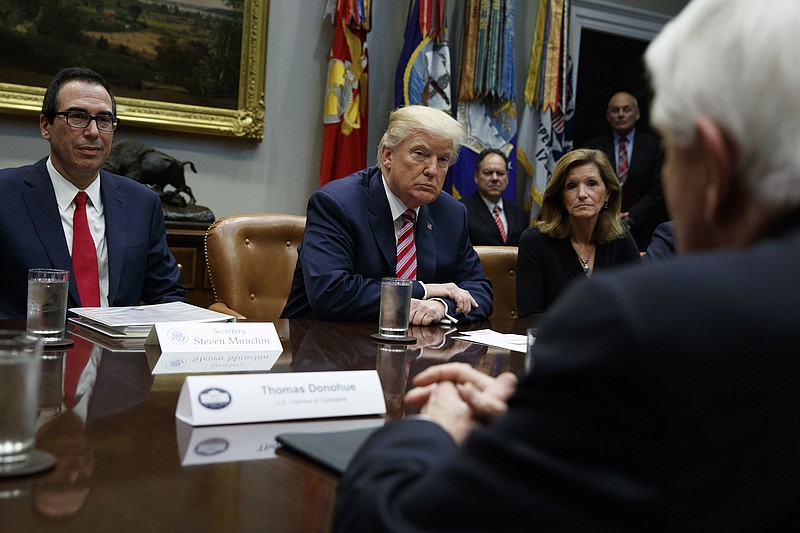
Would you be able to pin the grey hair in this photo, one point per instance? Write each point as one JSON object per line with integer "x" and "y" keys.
{"x": 735, "y": 61}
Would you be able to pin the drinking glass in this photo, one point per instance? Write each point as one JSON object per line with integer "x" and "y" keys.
{"x": 47, "y": 303}
{"x": 395, "y": 308}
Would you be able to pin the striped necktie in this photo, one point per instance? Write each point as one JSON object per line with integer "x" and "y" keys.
{"x": 622, "y": 162}
{"x": 499, "y": 223}
{"x": 406, "y": 249}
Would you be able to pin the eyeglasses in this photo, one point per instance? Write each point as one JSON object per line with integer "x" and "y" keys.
{"x": 81, "y": 119}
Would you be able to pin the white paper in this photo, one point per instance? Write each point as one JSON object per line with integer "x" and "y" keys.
{"x": 508, "y": 341}
{"x": 247, "y": 442}
{"x": 147, "y": 315}
{"x": 207, "y": 400}
{"x": 191, "y": 347}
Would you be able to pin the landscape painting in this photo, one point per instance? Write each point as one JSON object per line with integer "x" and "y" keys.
{"x": 189, "y": 65}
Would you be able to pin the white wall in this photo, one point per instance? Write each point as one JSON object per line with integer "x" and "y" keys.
{"x": 278, "y": 174}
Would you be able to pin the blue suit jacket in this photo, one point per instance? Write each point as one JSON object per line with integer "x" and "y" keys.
{"x": 140, "y": 266}
{"x": 349, "y": 245}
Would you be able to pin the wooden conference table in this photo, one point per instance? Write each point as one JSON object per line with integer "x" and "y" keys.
{"x": 120, "y": 457}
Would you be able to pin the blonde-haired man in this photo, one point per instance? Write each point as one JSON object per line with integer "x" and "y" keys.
{"x": 354, "y": 226}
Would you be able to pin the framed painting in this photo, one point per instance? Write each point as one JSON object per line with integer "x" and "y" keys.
{"x": 192, "y": 66}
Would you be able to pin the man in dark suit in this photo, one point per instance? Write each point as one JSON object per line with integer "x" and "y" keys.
{"x": 642, "y": 198}
{"x": 354, "y": 225}
{"x": 491, "y": 176}
{"x": 664, "y": 397}
{"x": 663, "y": 244}
{"x": 125, "y": 218}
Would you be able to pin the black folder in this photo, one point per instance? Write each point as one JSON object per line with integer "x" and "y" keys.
{"x": 333, "y": 450}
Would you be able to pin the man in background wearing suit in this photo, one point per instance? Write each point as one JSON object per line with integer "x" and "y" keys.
{"x": 486, "y": 210}
{"x": 356, "y": 225}
{"x": 124, "y": 218}
{"x": 664, "y": 396}
{"x": 638, "y": 158}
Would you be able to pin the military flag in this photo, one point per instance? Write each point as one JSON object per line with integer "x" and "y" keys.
{"x": 344, "y": 145}
{"x": 423, "y": 71}
{"x": 487, "y": 91}
{"x": 545, "y": 132}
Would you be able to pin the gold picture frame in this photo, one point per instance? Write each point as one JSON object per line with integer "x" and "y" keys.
{"x": 246, "y": 121}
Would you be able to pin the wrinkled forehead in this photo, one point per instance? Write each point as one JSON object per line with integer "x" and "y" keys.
{"x": 79, "y": 93}
{"x": 493, "y": 161}
{"x": 431, "y": 143}
{"x": 621, "y": 100}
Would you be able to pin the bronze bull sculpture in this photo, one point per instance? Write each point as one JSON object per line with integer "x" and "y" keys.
{"x": 152, "y": 168}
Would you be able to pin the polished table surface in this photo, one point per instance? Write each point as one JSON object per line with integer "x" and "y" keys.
{"x": 119, "y": 463}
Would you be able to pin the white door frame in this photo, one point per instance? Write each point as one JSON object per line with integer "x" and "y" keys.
{"x": 613, "y": 19}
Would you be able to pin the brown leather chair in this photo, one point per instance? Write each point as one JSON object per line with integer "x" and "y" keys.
{"x": 500, "y": 266}
{"x": 251, "y": 260}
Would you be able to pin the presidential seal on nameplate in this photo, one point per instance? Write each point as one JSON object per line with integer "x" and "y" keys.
{"x": 202, "y": 347}
{"x": 209, "y": 400}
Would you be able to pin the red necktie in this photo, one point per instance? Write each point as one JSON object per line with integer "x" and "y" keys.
{"x": 406, "y": 249}
{"x": 499, "y": 223}
{"x": 622, "y": 164}
{"x": 75, "y": 361}
{"x": 84, "y": 255}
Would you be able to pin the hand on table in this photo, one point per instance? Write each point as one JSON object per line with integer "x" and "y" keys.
{"x": 426, "y": 312}
{"x": 463, "y": 299}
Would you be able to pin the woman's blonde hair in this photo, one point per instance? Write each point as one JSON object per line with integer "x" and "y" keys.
{"x": 555, "y": 218}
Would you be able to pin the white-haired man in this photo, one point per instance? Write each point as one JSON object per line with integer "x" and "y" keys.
{"x": 664, "y": 397}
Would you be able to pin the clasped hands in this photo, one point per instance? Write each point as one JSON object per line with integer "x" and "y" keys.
{"x": 460, "y": 398}
{"x": 430, "y": 311}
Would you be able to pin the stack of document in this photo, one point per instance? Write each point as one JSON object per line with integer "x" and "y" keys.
{"x": 137, "y": 321}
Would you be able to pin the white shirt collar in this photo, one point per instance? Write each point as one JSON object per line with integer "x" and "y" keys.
{"x": 395, "y": 204}
{"x": 490, "y": 205}
{"x": 628, "y": 138}
{"x": 66, "y": 191}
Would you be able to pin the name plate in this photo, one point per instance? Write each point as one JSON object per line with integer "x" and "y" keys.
{"x": 244, "y": 398}
{"x": 215, "y": 347}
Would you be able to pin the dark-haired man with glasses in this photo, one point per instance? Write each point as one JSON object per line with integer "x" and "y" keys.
{"x": 65, "y": 204}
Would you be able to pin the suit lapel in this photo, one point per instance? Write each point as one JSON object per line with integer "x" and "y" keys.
{"x": 639, "y": 147}
{"x": 379, "y": 213}
{"x": 511, "y": 217}
{"x": 116, "y": 218}
{"x": 40, "y": 201}
{"x": 425, "y": 243}
{"x": 479, "y": 208}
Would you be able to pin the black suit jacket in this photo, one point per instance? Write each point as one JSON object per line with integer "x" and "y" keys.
{"x": 140, "y": 265}
{"x": 482, "y": 229}
{"x": 349, "y": 245}
{"x": 678, "y": 411}
{"x": 641, "y": 195}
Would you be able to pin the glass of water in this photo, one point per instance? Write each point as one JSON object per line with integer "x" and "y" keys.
{"x": 395, "y": 308}
{"x": 47, "y": 303}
